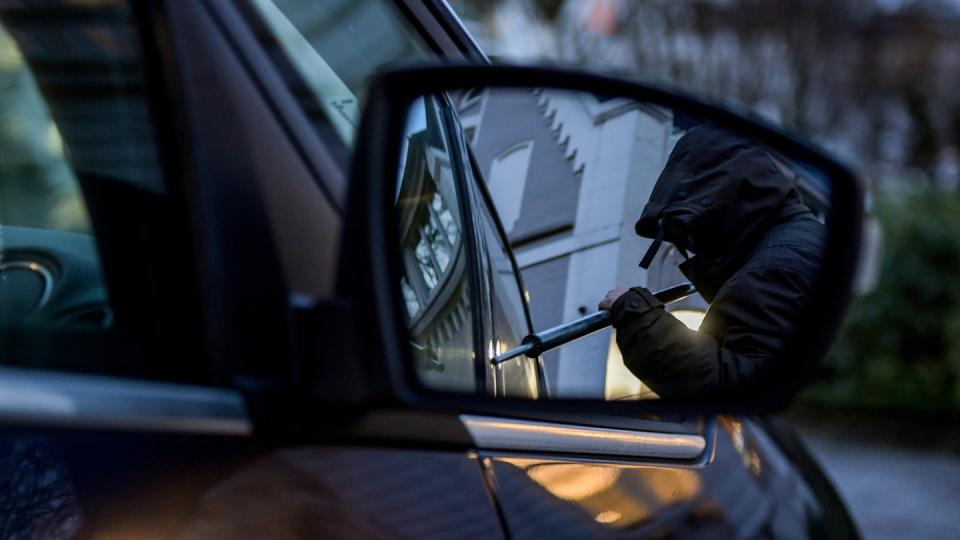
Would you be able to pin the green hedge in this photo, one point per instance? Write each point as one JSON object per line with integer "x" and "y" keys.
{"x": 900, "y": 345}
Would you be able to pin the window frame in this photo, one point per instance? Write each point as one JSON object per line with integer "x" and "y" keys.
{"x": 470, "y": 242}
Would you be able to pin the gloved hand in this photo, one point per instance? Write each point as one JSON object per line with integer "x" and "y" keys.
{"x": 626, "y": 304}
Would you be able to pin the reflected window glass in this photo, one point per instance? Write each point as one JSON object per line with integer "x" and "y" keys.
{"x": 435, "y": 283}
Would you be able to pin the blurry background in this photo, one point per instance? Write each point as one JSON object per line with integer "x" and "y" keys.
{"x": 875, "y": 82}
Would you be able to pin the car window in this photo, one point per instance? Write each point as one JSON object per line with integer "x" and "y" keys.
{"x": 73, "y": 111}
{"x": 332, "y": 48}
{"x": 519, "y": 377}
{"x": 436, "y": 279}
{"x": 509, "y": 322}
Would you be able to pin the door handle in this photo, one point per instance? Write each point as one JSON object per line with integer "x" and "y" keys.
{"x": 490, "y": 433}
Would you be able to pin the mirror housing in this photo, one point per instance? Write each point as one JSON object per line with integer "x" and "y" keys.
{"x": 371, "y": 260}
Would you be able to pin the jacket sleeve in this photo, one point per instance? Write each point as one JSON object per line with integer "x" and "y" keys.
{"x": 758, "y": 309}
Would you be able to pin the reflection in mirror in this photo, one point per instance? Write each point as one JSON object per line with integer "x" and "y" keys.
{"x": 435, "y": 282}
{"x": 605, "y": 201}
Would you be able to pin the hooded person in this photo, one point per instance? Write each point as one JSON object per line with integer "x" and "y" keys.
{"x": 756, "y": 254}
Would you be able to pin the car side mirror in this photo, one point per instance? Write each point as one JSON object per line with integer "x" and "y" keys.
{"x": 735, "y": 243}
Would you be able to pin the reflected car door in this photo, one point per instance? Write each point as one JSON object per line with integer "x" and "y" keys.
{"x": 740, "y": 486}
{"x": 507, "y": 318}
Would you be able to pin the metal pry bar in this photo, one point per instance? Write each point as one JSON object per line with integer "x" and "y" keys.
{"x": 534, "y": 345}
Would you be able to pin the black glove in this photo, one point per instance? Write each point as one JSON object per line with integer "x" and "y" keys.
{"x": 632, "y": 304}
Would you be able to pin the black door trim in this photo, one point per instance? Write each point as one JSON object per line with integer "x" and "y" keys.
{"x": 57, "y": 399}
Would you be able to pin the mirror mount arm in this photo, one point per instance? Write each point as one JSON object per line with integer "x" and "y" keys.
{"x": 285, "y": 405}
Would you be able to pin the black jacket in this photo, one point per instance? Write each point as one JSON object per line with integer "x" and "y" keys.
{"x": 757, "y": 253}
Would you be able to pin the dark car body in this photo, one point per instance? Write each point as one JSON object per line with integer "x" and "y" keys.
{"x": 151, "y": 417}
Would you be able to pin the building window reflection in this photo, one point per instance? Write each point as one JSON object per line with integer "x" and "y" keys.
{"x": 435, "y": 284}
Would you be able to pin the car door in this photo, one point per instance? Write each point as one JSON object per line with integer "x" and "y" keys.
{"x": 144, "y": 304}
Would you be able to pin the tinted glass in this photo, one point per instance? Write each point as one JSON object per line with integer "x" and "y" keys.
{"x": 73, "y": 111}
{"x": 435, "y": 284}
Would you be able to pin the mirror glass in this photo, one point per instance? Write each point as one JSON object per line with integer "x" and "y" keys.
{"x": 679, "y": 252}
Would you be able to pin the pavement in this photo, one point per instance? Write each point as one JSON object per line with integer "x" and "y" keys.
{"x": 892, "y": 489}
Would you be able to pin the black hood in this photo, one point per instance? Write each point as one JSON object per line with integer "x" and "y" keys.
{"x": 717, "y": 195}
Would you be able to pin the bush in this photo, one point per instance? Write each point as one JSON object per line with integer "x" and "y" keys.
{"x": 900, "y": 345}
